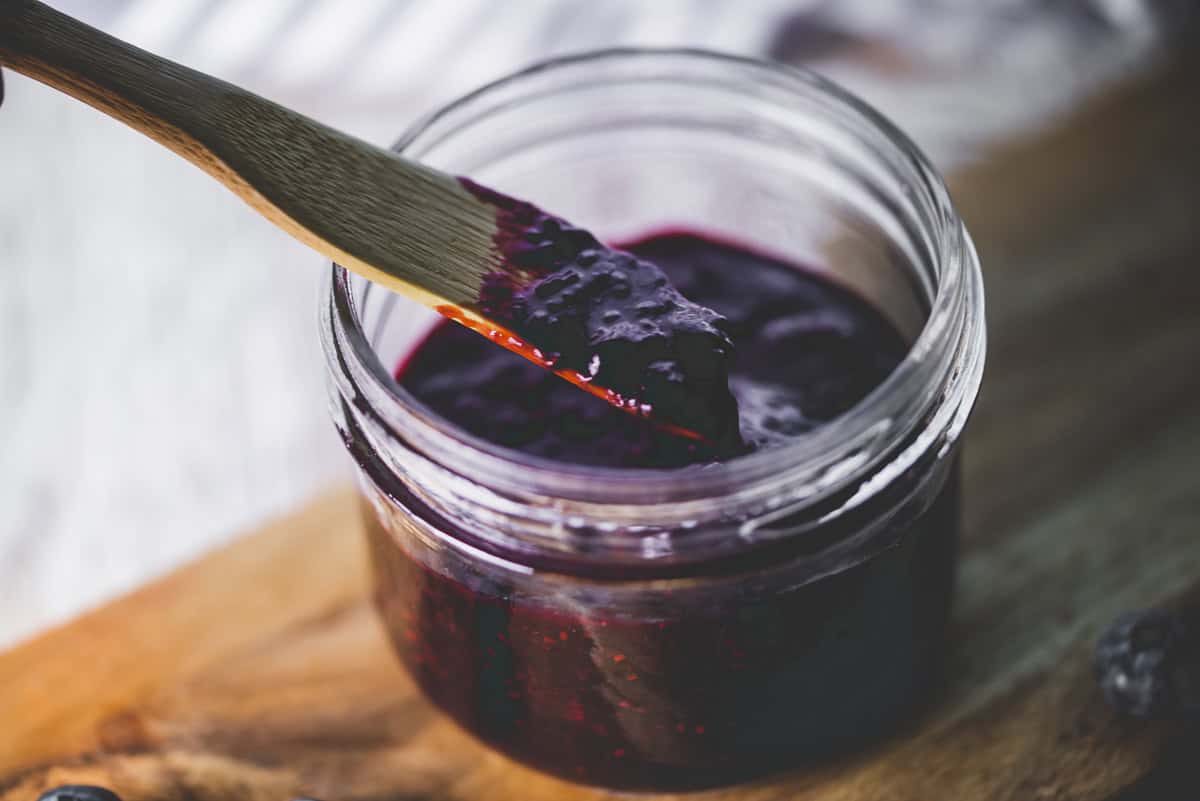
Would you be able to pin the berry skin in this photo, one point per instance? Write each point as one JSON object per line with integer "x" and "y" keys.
{"x": 1148, "y": 665}
{"x": 79, "y": 792}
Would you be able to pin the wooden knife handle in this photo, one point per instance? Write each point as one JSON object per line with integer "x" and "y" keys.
{"x": 391, "y": 219}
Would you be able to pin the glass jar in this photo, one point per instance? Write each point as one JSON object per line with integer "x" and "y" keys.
{"x": 658, "y": 629}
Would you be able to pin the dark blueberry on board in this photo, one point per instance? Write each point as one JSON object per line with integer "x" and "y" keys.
{"x": 79, "y": 792}
{"x": 1148, "y": 665}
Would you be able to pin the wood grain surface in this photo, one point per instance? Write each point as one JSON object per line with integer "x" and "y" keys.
{"x": 261, "y": 673}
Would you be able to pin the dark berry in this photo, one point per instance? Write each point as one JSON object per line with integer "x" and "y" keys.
{"x": 1148, "y": 665}
{"x": 79, "y": 792}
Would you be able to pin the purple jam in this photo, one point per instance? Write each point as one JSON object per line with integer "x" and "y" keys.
{"x": 707, "y": 680}
{"x": 804, "y": 351}
{"x": 688, "y": 691}
{"x": 609, "y": 322}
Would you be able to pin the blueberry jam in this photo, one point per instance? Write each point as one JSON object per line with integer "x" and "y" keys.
{"x": 698, "y": 683}
{"x": 687, "y": 679}
{"x": 609, "y": 322}
{"x": 806, "y": 351}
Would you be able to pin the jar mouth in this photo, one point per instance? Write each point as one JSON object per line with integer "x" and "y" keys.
{"x": 899, "y": 416}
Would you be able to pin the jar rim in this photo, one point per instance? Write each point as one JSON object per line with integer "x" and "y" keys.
{"x": 818, "y": 463}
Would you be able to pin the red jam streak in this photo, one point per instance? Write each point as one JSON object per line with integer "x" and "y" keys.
{"x": 515, "y": 344}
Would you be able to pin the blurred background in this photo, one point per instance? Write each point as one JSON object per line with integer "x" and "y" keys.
{"x": 160, "y": 376}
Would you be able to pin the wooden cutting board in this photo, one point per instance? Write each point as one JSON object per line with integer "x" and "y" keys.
{"x": 260, "y": 671}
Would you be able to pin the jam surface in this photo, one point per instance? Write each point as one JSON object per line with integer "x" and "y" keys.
{"x": 795, "y": 350}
